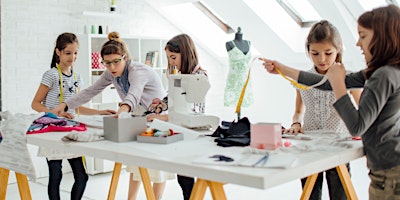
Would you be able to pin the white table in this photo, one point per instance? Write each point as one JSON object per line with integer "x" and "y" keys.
{"x": 177, "y": 158}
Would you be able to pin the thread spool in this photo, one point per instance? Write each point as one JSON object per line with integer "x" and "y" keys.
{"x": 100, "y": 30}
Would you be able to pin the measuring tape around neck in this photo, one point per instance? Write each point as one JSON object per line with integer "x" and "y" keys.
{"x": 60, "y": 74}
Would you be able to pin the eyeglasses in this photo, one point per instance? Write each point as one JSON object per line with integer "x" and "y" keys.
{"x": 114, "y": 62}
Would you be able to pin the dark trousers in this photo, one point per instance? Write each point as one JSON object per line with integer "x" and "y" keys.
{"x": 335, "y": 187}
{"x": 186, "y": 184}
{"x": 55, "y": 176}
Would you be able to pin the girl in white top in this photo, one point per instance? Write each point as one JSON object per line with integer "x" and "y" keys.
{"x": 59, "y": 83}
{"x": 324, "y": 46}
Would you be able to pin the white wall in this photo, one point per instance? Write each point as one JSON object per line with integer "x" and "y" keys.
{"x": 29, "y": 30}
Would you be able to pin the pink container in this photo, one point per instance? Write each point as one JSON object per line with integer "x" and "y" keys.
{"x": 266, "y": 136}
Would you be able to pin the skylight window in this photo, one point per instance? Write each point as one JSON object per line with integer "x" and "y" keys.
{"x": 395, "y": 2}
{"x": 301, "y": 11}
{"x": 369, "y": 5}
{"x": 213, "y": 16}
{"x": 198, "y": 26}
{"x": 274, "y": 15}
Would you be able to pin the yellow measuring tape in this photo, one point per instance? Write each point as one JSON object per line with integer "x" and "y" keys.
{"x": 62, "y": 87}
{"x": 300, "y": 86}
{"x": 241, "y": 97}
{"x": 239, "y": 104}
{"x": 61, "y": 100}
{"x": 294, "y": 83}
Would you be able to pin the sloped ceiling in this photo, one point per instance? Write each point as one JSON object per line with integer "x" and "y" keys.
{"x": 236, "y": 13}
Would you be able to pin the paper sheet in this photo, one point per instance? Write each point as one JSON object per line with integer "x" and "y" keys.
{"x": 95, "y": 121}
{"x": 248, "y": 160}
{"x": 14, "y": 153}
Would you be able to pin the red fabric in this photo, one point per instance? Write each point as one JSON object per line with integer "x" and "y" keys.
{"x": 54, "y": 128}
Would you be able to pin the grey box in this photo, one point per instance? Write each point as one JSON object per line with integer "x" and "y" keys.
{"x": 160, "y": 140}
{"x": 123, "y": 129}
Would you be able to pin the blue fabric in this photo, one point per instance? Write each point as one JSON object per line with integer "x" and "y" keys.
{"x": 123, "y": 80}
{"x": 51, "y": 115}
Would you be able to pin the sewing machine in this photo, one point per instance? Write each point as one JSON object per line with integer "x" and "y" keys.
{"x": 186, "y": 101}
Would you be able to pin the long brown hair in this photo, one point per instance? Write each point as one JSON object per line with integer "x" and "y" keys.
{"x": 184, "y": 45}
{"x": 324, "y": 31}
{"x": 385, "y": 43}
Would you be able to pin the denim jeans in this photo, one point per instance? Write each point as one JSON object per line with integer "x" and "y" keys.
{"x": 186, "y": 184}
{"x": 385, "y": 184}
{"x": 335, "y": 188}
{"x": 55, "y": 176}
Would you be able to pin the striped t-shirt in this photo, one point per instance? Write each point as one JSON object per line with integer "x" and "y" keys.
{"x": 71, "y": 85}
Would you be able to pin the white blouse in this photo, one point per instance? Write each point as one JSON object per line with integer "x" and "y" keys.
{"x": 319, "y": 112}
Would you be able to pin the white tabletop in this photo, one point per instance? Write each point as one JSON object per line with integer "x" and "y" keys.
{"x": 178, "y": 157}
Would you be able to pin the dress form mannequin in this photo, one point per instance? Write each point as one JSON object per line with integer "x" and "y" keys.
{"x": 243, "y": 45}
{"x": 239, "y": 59}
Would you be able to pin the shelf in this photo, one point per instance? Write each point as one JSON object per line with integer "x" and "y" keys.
{"x": 100, "y": 14}
{"x": 138, "y": 47}
{"x": 99, "y": 36}
{"x": 97, "y": 72}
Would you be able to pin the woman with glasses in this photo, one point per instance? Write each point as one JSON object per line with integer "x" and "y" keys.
{"x": 137, "y": 84}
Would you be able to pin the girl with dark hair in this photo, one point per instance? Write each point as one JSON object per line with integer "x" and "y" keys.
{"x": 182, "y": 58}
{"x": 60, "y": 83}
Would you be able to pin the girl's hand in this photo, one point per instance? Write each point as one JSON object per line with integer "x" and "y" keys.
{"x": 295, "y": 129}
{"x": 123, "y": 108}
{"x": 67, "y": 115}
{"x": 336, "y": 73}
{"x": 154, "y": 104}
{"x": 59, "y": 110}
{"x": 270, "y": 65}
{"x": 157, "y": 106}
{"x": 162, "y": 117}
{"x": 336, "y": 76}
